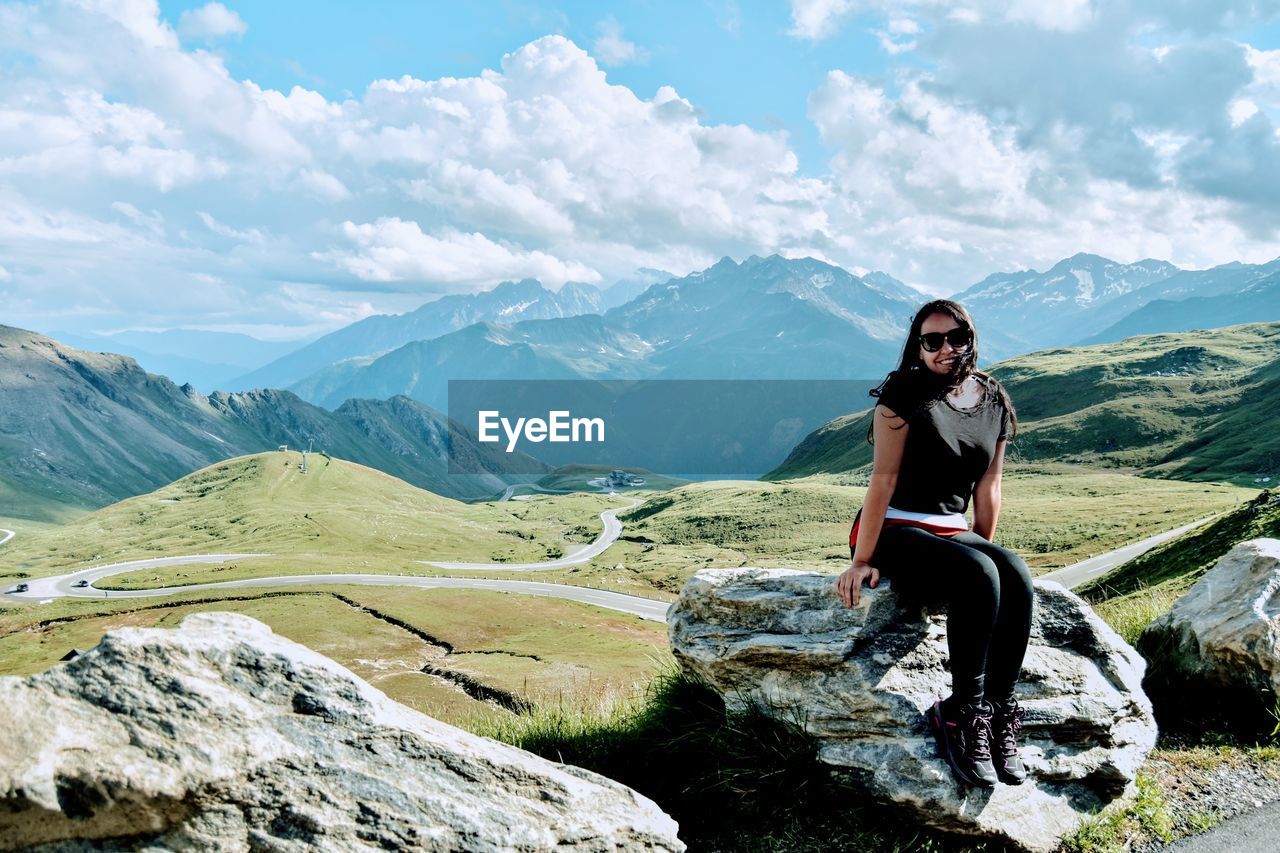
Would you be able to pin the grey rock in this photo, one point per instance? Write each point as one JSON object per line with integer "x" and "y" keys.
{"x": 1223, "y": 634}
{"x": 860, "y": 680}
{"x": 222, "y": 735}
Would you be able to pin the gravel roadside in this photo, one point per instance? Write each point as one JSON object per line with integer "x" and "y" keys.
{"x": 1208, "y": 789}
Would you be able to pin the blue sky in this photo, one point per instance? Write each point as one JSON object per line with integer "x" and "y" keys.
{"x": 285, "y": 168}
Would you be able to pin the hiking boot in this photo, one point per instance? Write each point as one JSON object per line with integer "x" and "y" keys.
{"x": 1006, "y": 725}
{"x": 964, "y": 740}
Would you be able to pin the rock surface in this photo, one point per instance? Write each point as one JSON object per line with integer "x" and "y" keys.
{"x": 860, "y": 680}
{"x": 1223, "y": 635}
{"x": 222, "y": 735}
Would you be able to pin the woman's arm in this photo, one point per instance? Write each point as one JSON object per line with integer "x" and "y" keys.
{"x": 986, "y": 496}
{"x": 889, "y": 444}
{"x": 890, "y": 432}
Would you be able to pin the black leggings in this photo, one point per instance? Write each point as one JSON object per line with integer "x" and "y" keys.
{"x": 988, "y": 593}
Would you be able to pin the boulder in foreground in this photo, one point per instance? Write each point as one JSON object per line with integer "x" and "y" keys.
{"x": 860, "y": 680}
{"x": 223, "y": 735}
{"x": 1217, "y": 650}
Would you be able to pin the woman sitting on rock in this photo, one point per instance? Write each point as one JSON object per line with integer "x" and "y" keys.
{"x": 939, "y": 433}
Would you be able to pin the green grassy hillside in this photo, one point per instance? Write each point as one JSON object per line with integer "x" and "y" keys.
{"x": 337, "y": 516}
{"x": 457, "y": 655}
{"x": 1052, "y": 514}
{"x": 341, "y": 517}
{"x": 1192, "y": 405}
{"x": 1144, "y": 588}
{"x": 1188, "y": 557}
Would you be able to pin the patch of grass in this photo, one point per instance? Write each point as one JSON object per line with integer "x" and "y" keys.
{"x": 1052, "y": 515}
{"x": 1130, "y": 614}
{"x": 1188, "y": 557}
{"x": 738, "y": 781}
{"x": 537, "y": 648}
{"x": 263, "y": 503}
{"x": 1116, "y": 827}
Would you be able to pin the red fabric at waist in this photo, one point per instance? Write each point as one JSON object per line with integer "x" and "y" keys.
{"x": 910, "y": 522}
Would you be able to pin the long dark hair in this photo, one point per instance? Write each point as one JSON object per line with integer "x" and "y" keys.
{"x": 920, "y": 386}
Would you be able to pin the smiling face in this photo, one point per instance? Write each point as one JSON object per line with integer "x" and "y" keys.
{"x": 944, "y": 361}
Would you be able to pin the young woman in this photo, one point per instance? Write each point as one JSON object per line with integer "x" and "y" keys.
{"x": 939, "y": 432}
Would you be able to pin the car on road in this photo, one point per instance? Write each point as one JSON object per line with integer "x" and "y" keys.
{"x": 22, "y": 587}
{"x": 79, "y": 584}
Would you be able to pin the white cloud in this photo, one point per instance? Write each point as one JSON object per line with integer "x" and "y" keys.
{"x": 1241, "y": 110}
{"x": 5, "y": 275}
{"x": 818, "y": 19}
{"x": 152, "y": 222}
{"x": 612, "y": 49}
{"x": 1065, "y": 15}
{"x": 112, "y": 134}
{"x": 250, "y": 235}
{"x": 392, "y": 250}
{"x": 322, "y": 185}
{"x": 210, "y": 21}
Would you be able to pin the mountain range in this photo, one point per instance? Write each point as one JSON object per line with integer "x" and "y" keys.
{"x": 763, "y": 318}
{"x": 766, "y": 318}
{"x": 82, "y": 429}
{"x": 79, "y": 428}
{"x": 509, "y": 302}
{"x": 207, "y": 360}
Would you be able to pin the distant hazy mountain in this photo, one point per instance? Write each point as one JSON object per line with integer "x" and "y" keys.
{"x": 84, "y": 429}
{"x": 571, "y": 348}
{"x": 1192, "y": 405}
{"x": 1074, "y": 299}
{"x": 508, "y": 303}
{"x": 207, "y": 360}
{"x": 1204, "y": 299}
{"x": 890, "y": 286}
{"x": 623, "y": 291}
{"x": 766, "y": 318}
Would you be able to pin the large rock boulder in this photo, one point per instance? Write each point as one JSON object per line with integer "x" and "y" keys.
{"x": 860, "y": 680}
{"x": 220, "y": 735}
{"x": 1217, "y": 650}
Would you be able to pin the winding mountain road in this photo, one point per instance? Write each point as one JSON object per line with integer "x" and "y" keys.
{"x": 65, "y": 586}
{"x": 612, "y": 530}
{"x": 8, "y": 534}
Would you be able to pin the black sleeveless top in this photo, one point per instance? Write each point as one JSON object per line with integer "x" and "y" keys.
{"x": 947, "y": 450}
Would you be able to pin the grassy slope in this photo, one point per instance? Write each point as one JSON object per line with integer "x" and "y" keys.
{"x": 1053, "y": 515}
{"x": 335, "y": 513}
{"x": 546, "y": 651}
{"x": 1146, "y": 587}
{"x": 1191, "y": 405}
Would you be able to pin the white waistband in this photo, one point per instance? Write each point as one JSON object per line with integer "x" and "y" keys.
{"x": 955, "y": 519}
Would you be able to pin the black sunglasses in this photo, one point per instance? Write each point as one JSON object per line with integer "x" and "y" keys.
{"x": 959, "y": 338}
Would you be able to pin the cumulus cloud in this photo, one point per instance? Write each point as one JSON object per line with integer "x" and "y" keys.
{"x": 1138, "y": 106}
{"x": 612, "y": 49}
{"x": 142, "y": 179}
{"x": 540, "y": 168}
{"x": 392, "y": 250}
{"x": 210, "y": 21}
{"x": 817, "y": 19}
